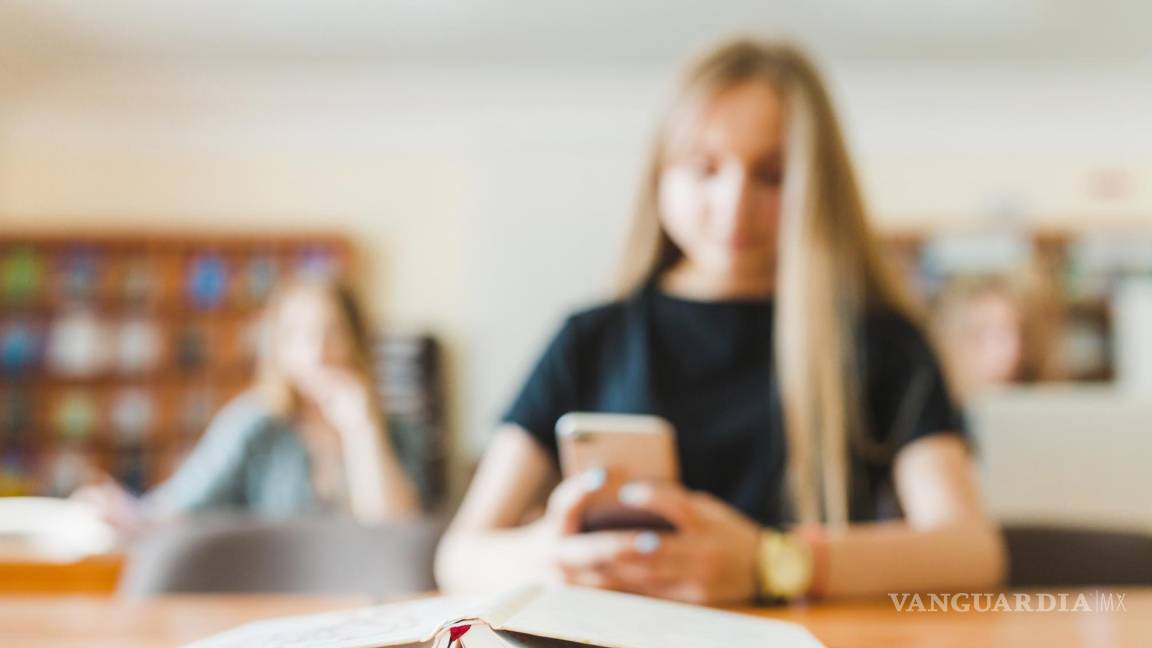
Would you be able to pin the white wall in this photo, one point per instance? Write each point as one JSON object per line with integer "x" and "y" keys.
{"x": 489, "y": 201}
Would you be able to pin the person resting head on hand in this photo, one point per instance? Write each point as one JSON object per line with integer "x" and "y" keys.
{"x": 309, "y": 435}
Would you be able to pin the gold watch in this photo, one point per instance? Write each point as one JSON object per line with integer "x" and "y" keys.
{"x": 785, "y": 566}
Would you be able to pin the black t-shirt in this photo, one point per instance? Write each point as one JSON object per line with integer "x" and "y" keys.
{"x": 707, "y": 367}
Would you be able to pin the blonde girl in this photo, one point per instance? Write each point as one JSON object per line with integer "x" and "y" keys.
{"x": 820, "y": 451}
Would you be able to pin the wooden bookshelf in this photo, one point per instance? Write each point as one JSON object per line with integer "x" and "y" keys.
{"x": 1079, "y": 298}
{"x": 116, "y": 349}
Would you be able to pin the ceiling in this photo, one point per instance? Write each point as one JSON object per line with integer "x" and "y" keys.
{"x": 550, "y": 32}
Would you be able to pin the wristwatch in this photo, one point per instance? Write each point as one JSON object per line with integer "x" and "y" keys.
{"x": 785, "y": 566}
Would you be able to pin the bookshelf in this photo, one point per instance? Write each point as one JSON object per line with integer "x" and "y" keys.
{"x": 1073, "y": 273}
{"x": 116, "y": 350}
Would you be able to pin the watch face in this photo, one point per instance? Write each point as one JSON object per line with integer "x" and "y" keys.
{"x": 786, "y": 564}
{"x": 789, "y": 572}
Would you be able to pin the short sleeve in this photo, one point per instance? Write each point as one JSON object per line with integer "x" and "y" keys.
{"x": 551, "y": 390}
{"x": 907, "y": 394}
{"x": 212, "y": 476}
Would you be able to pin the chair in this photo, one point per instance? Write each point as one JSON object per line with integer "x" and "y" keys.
{"x": 1055, "y": 556}
{"x": 303, "y": 555}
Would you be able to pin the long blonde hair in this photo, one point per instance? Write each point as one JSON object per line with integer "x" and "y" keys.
{"x": 828, "y": 269}
{"x": 273, "y": 386}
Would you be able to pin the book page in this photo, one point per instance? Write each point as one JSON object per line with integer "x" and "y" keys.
{"x": 568, "y": 614}
{"x": 395, "y": 624}
{"x": 483, "y": 636}
{"x": 612, "y": 619}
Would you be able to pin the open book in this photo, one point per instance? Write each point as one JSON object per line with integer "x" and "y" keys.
{"x": 536, "y": 617}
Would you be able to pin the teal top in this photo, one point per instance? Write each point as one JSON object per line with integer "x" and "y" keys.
{"x": 248, "y": 461}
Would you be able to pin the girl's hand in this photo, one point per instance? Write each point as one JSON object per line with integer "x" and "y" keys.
{"x": 115, "y": 505}
{"x": 566, "y": 554}
{"x": 342, "y": 398}
{"x": 711, "y": 559}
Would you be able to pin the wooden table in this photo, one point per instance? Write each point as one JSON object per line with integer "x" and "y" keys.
{"x": 104, "y": 622}
{"x": 64, "y": 622}
{"x": 868, "y": 623}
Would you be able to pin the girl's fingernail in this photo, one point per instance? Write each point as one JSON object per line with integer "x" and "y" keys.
{"x": 594, "y": 478}
{"x": 631, "y": 494}
{"x": 647, "y": 542}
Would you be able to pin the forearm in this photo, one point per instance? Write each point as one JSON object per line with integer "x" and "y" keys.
{"x": 476, "y": 560}
{"x": 378, "y": 488}
{"x": 870, "y": 559}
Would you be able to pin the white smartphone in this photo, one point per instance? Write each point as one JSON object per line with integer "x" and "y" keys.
{"x": 629, "y": 447}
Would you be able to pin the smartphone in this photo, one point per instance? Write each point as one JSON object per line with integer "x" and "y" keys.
{"x": 631, "y": 448}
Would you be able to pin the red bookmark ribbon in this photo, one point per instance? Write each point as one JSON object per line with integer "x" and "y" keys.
{"x": 456, "y": 632}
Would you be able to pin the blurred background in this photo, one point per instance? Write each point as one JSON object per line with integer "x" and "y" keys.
{"x": 471, "y": 165}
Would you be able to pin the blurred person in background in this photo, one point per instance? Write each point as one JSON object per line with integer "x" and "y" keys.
{"x": 308, "y": 436}
{"x": 991, "y": 332}
{"x": 821, "y": 453}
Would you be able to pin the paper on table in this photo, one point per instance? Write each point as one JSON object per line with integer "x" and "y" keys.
{"x": 612, "y": 619}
